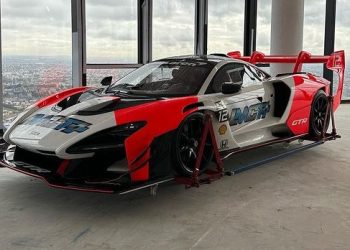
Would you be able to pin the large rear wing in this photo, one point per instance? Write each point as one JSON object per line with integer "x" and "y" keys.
{"x": 334, "y": 62}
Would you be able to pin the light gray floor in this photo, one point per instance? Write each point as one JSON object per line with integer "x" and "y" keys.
{"x": 300, "y": 202}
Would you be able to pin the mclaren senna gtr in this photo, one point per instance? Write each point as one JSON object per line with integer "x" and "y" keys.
{"x": 148, "y": 124}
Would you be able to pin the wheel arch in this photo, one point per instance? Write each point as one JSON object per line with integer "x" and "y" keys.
{"x": 304, "y": 93}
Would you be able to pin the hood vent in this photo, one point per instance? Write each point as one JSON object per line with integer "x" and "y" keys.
{"x": 114, "y": 105}
{"x": 67, "y": 102}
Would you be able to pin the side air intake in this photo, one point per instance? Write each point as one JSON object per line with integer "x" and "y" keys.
{"x": 282, "y": 96}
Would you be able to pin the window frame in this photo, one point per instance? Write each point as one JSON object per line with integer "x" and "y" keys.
{"x": 209, "y": 89}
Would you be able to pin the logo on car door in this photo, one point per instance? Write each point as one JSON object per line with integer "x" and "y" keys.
{"x": 249, "y": 113}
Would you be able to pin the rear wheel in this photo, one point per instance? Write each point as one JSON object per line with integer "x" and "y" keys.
{"x": 187, "y": 140}
{"x": 318, "y": 116}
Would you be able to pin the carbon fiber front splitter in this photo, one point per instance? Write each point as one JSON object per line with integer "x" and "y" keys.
{"x": 51, "y": 179}
{"x": 54, "y": 180}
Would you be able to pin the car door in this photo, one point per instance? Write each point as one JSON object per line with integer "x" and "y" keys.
{"x": 242, "y": 111}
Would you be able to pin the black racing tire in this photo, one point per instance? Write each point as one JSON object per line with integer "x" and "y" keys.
{"x": 185, "y": 148}
{"x": 318, "y": 114}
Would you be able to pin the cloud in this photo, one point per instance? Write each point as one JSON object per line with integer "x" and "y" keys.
{"x": 225, "y": 26}
{"x": 40, "y": 27}
{"x": 43, "y": 27}
{"x": 173, "y": 28}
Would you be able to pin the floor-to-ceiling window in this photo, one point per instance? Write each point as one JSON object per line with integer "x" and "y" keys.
{"x": 342, "y": 39}
{"x": 225, "y": 26}
{"x": 37, "y": 51}
{"x": 263, "y": 29}
{"x": 111, "y": 37}
{"x": 173, "y": 28}
{"x": 314, "y": 28}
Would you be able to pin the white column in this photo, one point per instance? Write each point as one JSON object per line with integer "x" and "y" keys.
{"x": 287, "y": 21}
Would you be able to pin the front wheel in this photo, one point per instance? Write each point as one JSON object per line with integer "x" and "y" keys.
{"x": 187, "y": 142}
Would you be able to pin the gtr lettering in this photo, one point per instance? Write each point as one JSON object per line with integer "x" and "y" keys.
{"x": 299, "y": 122}
{"x": 251, "y": 113}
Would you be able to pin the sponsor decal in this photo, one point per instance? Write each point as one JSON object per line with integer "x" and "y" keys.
{"x": 220, "y": 105}
{"x": 222, "y": 129}
{"x": 60, "y": 123}
{"x": 299, "y": 122}
{"x": 251, "y": 113}
{"x": 36, "y": 133}
{"x": 222, "y": 115}
{"x": 73, "y": 125}
{"x": 224, "y": 144}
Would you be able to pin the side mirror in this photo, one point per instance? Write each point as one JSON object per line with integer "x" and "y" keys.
{"x": 107, "y": 81}
{"x": 230, "y": 88}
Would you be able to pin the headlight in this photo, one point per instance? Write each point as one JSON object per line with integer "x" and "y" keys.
{"x": 129, "y": 128}
{"x": 112, "y": 138}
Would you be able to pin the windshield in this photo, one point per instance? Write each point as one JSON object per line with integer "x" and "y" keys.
{"x": 165, "y": 78}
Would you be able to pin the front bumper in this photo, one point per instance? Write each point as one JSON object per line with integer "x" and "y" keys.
{"x": 52, "y": 178}
{"x": 56, "y": 181}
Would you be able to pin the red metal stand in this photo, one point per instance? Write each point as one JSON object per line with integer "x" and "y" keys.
{"x": 210, "y": 175}
{"x": 330, "y": 112}
{"x": 330, "y": 115}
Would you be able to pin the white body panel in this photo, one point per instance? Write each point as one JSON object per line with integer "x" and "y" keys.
{"x": 252, "y": 132}
{"x": 41, "y": 138}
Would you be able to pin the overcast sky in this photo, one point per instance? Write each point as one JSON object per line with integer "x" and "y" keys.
{"x": 43, "y": 27}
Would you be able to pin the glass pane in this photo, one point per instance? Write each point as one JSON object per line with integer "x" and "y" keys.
{"x": 314, "y": 27}
{"x": 342, "y": 39}
{"x": 225, "y": 26}
{"x": 95, "y": 76}
{"x": 37, "y": 51}
{"x": 316, "y": 69}
{"x": 111, "y": 31}
{"x": 263, "y": 35}
{"x": 173, "y": 28}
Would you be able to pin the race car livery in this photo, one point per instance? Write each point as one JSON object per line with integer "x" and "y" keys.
{"x": 148, "y": 124}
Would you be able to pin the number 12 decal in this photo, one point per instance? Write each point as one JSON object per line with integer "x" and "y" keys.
{"x": 223, "y": 115}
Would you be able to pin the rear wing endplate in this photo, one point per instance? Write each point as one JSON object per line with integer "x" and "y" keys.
{"x": 334, "y": 62}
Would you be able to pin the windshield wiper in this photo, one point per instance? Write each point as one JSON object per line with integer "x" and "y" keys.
{"x": 131, "y": 95}
{"x": 117, "y": 88}
{"x": 123, "y": 86}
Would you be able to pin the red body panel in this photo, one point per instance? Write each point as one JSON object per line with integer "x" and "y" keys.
{"x": 59, "y": 96}
{"x": 336, "y": 62}
{"x": 305, "y": 90}
{"x": 161, "y": 117}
